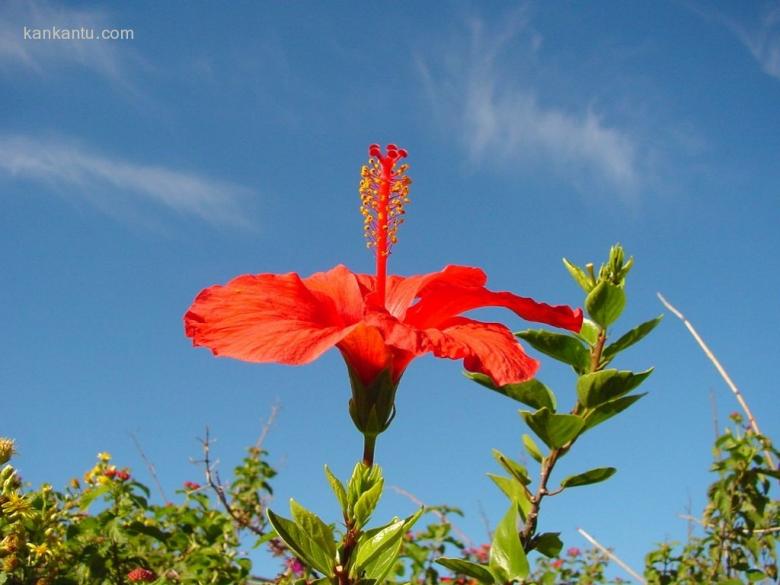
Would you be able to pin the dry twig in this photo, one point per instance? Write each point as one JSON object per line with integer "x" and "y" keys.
{"x": 690, "y": 518}
{"x": 440, "y": 515}
{"x": 721, "y": 370}
{"x": 275, "y": 408}
{"x": 613, "y": 556}
{"x": 485, "y": 521}
{"x": 214, "y": 482}
{"x": 150, "y": 466}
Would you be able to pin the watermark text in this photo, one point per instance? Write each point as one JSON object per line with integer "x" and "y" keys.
{"x": 56, "y": 33}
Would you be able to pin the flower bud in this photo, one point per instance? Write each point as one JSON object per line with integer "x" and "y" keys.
{"x": 140, "y": 575}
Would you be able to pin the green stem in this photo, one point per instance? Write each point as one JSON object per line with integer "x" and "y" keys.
{"x": 529, "y": 529}
{"x": 595, "y": 354}
{"x": 369, "y": 442}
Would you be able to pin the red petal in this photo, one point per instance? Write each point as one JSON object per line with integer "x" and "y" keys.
{"x": 488, "y": 348}
{"x": 339, "y": 292}
{"x": 441, "y": 300}
{"x": 403, "y": 290}
{"x": 365, "y": 351}
{"x": 274, "y": 318}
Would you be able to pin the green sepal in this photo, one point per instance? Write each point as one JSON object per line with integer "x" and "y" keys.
{"x": 372, "y": 406}
{"x": 512, "y": 467}
{"x": 547, "y": 543}
{"x": 579, "y": 276}
{"x": 605, "y": 303}
{"x": 338, "y": 489}
{"x": 301, "y": 543}
{"x": 609, "y": 409}
{"x": 563, "y": 348}
{"x": 532, "y": 448}
{"x": 554, "y": 429}
{"x": 507, "y": 557}
{"x": 589, "y": 477}
{"x": 531, "y": 392}
{"x": 630, "y": 338}
{"x": 318, "y": 531}
{"x": 463, "y": 567}
{"x": 600, "y": 387}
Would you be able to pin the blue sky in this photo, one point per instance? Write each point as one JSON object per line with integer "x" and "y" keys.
{"x": 226, "y": 139}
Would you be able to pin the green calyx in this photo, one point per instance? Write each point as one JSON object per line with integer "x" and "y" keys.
{"x": 372, "y": 406}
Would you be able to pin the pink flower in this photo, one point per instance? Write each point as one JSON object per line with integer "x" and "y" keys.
{"x": 574, "y": 552}
{"x": 295, "y": 566}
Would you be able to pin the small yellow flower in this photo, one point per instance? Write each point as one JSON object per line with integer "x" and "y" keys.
{"x": 93, "y": 473}
{"x": 17, "y": 506}
{"x": 7, "y": 449}
{"x": 104, "y": 457}
{"x": 9, "y": 544}
{"x": 39, "y": 550}
{"x": 10, "y": 563}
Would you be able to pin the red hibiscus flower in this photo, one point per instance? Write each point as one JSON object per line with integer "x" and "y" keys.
{"x": 378, "y": 322}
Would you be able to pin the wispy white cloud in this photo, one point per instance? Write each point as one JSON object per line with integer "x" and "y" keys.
{"x": 762, "y": 40}
{"x": 501, "y": 118}
{"x": 115, "y": 186}
{"x": 104, "y": 57}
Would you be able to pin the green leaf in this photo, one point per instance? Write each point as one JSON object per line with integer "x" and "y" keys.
{"x": 338, "y": 489}
{"x": 91, "y": 495}
{"x": 461, "y": 567}
{"x": 136, "y": 527}
{"x": 770, "y": 472}
{"x": 366, "y": 503}
{"x": 589, "y": 332}
{"x": 554, "y": 429}
{"x": 630, "y": 338}
{"x": 531, "y": 392}
{"x": 378, "y": 550}
{"x": 605, "y": 303}
{"x": 547, "y": 543}
{"x": 514, "y": 491}
{"x": 507, "y": 557}
{"x": 317, "y": 530}
{"x": 514, "y": 469}
{"x": 563, "y": 348}
{"x": 362, "y": 479}
{"x": 605, "y": 385}
{"x": 579, "y": 276}
{"x": 532, "y": 448}
{"x": 609, "y": 409}
{"x": 596, "y": 475}
{"x": 301, "y": 543}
